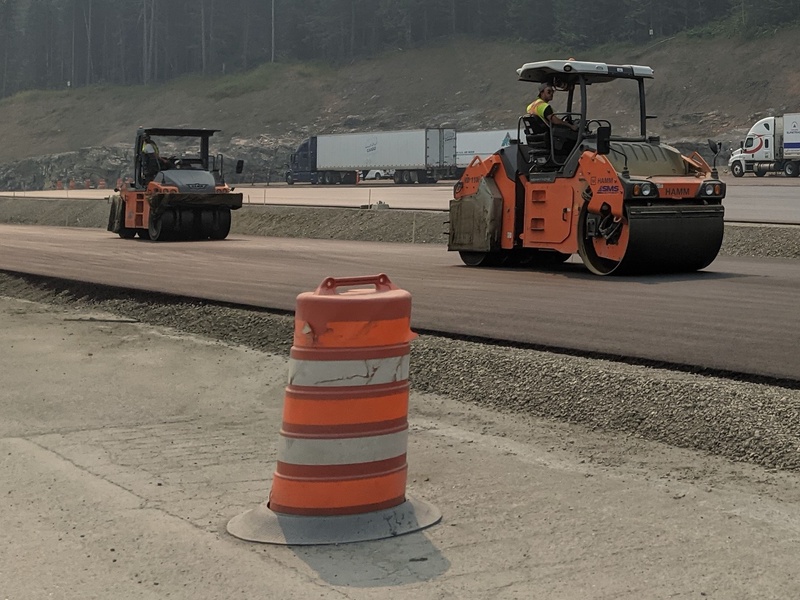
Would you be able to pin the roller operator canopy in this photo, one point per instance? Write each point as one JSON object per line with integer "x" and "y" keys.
{"x": 569, "y": 71}
{"x": 176, "y": 131}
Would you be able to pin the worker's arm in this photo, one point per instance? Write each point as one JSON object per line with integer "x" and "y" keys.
{"x": 559, "y": 121}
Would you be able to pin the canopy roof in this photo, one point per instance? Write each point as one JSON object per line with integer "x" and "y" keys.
{"x": 569, "y": 71}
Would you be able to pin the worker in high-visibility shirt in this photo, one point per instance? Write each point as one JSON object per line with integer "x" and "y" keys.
{"x": 541, "y": 108}
{"x": 151, "y": 159}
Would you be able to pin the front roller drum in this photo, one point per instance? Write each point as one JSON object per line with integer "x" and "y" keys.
{"x": 116, "y": 219}
{"x": 652, "y": 239}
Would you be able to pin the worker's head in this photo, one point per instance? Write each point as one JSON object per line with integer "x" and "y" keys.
{"x": 546, "y": 91}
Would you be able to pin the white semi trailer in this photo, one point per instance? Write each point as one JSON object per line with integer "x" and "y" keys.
{"x": 415, "y": 156}
{"x": 771, "y": 145}
{"x": 470, "y": 144}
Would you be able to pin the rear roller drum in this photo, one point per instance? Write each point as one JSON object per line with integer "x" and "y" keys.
{"x": 206, "y": 224}
{"x": 162, "y": 227}
{"x": 185, "y": 229}
{"x": 221, "y": 225}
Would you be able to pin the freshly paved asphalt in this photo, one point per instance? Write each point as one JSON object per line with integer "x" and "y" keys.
{"x": 738, "y": 315}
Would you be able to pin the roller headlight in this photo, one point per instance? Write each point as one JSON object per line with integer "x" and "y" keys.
{"x": 644, "y": 189}
{"x": 711, "y": 189}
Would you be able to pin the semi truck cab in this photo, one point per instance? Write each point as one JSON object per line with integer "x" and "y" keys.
{"x": 771, "y": 145}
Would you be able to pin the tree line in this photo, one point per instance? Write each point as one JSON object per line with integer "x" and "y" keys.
{"x": 53, "y": 44}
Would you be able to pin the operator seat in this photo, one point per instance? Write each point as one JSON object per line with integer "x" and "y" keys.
{"x": 538, "y": 153}
{"x": 537, "y": 134}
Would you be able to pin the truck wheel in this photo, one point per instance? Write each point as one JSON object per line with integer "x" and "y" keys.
{"x": 406, "y": 177}
{"x": 791, "y": 169}
{"x": 398, "y": 177}
{"x": 737, "y": 169}
{"x": 759, "y": 171}
{"x": 289, "y": 179}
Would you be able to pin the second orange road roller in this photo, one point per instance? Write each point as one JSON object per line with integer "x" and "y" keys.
{"x": 621, "y": 199}
{"x": 180, "y": 197}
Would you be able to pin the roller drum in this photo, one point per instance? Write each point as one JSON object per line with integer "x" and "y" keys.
{"x": 664, "y": 239}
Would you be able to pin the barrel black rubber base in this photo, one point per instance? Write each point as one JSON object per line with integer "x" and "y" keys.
{"x": 267, "y": 527}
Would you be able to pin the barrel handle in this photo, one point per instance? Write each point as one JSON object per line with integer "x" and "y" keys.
{"x": 329, "y": 285}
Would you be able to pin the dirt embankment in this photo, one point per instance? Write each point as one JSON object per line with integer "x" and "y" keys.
{"x": 703, "y": 88}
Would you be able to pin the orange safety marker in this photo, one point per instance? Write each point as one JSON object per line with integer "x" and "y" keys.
{"x": 341, "y": 471}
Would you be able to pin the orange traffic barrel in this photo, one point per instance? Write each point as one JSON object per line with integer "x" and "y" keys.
{"x": 59, "y": 185}
{"x": 101, "y": 184}
{"x": 72, "y": 184}
{"x": 341, "y": 470}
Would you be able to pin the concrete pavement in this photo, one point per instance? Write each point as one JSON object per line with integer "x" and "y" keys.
{"x": 125, "y": 449}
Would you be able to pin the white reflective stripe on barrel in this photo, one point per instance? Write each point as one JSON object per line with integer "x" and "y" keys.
{"x": 342, "y": 451}
{"x": 338, "y": 373}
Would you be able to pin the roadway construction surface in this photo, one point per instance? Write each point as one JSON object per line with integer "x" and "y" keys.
{"x": 127, "y": 445}
{"x": 372, "y": 224}
{"x": 135, "y": 425}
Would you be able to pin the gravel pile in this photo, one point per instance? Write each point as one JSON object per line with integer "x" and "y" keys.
{"x": 739, "y": 421}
